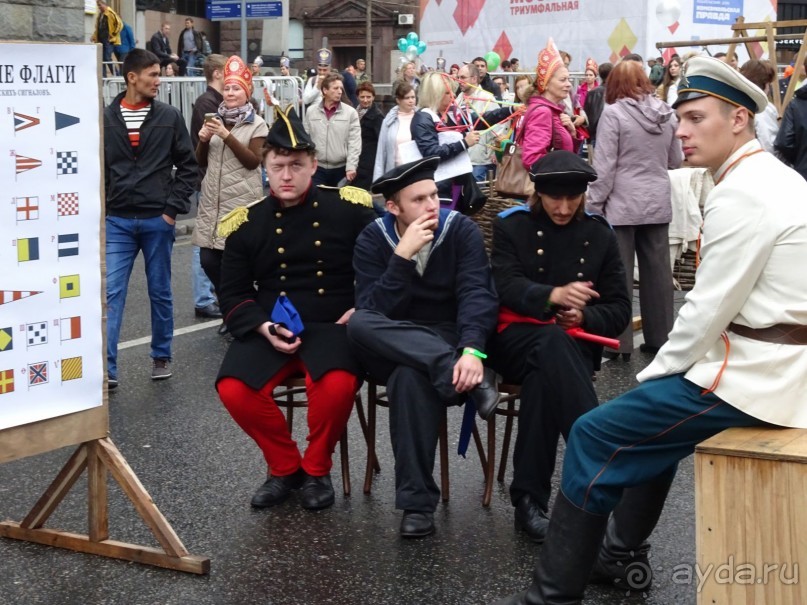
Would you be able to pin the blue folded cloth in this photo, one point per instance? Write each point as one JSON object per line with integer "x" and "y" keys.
{"x": 285, "y": 313}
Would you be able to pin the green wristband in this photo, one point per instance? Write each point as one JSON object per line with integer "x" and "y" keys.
{"x": 474, "y": 352}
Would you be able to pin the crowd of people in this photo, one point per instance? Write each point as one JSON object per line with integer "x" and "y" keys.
{"x": 320, "y": 280}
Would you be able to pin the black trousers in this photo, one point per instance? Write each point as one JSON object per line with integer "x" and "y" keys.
{"x": 554, "y": 372}
{"x": 416, "y": 362}
{"x": 210, "y": 259}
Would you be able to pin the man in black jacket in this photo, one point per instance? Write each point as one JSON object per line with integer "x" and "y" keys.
{"x": 595, "y": 102}
{"x": 161, "y": 47}
{"x": 485, "y": 81}
{"x": 791, "y": 141}
{"x": 206, "y": 103}
{"x": 190, "y": 45}
{"x": 143, "y": 141}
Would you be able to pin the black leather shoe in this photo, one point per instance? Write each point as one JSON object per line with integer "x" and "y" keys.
{"x": 277, "y": 489}
{"x": 531, "y": 519}
{"x": 211, "y": 311}
{"x": 486, "y": 394}
{"x": 615, "y": 355}
{"x": 417, "y": 524}
{"x": 316, "y": 493}
{"x": 222, "y": 329}
{"x": 646, "y": 348}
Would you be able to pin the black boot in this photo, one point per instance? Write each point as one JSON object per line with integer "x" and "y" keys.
{"x": 623, "y": 560}
{"x": 564, "y": 565}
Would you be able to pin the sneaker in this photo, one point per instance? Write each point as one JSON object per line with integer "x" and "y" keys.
{"x": 161, "y": 369}
{"x": 111, "y": 383}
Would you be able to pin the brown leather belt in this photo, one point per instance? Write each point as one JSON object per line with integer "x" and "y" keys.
{"x": 783, "y": 334}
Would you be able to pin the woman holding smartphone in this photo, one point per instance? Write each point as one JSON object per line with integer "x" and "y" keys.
{"x": 230, "y": 149}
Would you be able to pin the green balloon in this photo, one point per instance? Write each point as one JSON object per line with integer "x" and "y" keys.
{"x": 493, "y": 59}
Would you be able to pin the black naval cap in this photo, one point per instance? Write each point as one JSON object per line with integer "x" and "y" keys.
{"x": 287, "y": 132}
{"x": 562, "y": 173}
{"x": 404, "y": 175}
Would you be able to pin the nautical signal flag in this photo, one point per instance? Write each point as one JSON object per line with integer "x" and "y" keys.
{"x": 37, "y": 373}
{"x": 64, "y": 120}
{"x": 6, "y": 339}
{"x": 6, "y": 381}
{"x": 27, "y": 249}
{"x": 68, "y": 245}
{"x": 67, "y": 204}
{"x": 72, "y": 368}
{"x": 22, "y": 121}
{"x": 70, "y": 326}
{"x": 66, "y": 162}
{"x": 7, "y": 296}
{"x": 36, "y": 333}
{"x": 69, "y": 286}
{"x": 27, "y": 208}
{"x": 23, "y": 163}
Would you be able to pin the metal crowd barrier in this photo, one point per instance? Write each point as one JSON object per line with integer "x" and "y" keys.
{"x": 183, "y": 92}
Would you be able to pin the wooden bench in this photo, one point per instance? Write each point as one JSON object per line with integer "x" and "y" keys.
{"x": 751, "y": 504}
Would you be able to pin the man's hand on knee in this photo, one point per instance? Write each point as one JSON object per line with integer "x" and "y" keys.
{"x": 467, "y": 373}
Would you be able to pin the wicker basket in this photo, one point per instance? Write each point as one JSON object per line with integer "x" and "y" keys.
{"x": 484, "y": 218}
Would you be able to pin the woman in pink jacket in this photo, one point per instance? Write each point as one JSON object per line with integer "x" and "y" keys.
{"x": 546, "y": 126}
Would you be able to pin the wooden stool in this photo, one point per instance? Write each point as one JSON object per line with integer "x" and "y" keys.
{"x": 375, "y": 398}
{"x": 751, "y": 527}
{"x": 284, "y": 396}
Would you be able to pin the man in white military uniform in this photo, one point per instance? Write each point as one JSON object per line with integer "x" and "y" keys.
{"x": 736, "y": 356}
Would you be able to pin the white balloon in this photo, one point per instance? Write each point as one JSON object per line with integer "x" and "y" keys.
{"x": 412, "y": 54}
{"x": 668, "y": 11}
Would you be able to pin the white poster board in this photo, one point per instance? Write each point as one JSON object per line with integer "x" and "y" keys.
{"x": 602, "y": 29}
{"x": 51, "y": 337}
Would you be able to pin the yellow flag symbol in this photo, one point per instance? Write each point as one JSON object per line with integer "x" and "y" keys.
{"x": 71, "y": 368}
{"x": 69, "y": 286}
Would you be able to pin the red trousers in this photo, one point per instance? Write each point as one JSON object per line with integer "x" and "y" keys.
{"x": 330, "y": 402}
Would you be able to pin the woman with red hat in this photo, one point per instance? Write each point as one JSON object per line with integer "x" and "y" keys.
{"x": 546, "y": 126}
{"x": 229, "y": 149}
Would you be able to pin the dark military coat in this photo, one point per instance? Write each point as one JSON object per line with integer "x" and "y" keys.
{"x": 306, "y": 253}
{"x": 531, "y": 255}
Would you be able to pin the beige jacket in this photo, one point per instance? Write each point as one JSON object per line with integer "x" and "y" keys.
{"x": 751, "y": 273}
{"x": 227, "y": 184}
{"x": 338, "y": 140}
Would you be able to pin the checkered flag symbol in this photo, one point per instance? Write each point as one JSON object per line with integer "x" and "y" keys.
{"x": 67, "y": 204}
{"x": 37, "y": 333}
{"x": 66, "y": 162}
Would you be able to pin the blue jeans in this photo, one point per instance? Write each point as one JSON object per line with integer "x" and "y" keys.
{"x": 480, "y": 171}
{"x": 203, "y": 293}
{"x": 640, "y": 436}
{"x": 125, "y": 237}
{"x": 190, "y": 58}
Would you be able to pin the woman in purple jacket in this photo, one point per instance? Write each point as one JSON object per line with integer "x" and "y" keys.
{"x": 636, "y": 145}
{"x": 546, "y": 127}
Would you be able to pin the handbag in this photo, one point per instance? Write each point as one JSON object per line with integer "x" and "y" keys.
{"x": 472, "y": 200}
{"x": 512, "y": 180}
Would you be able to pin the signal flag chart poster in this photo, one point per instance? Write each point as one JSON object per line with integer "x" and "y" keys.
{"x": 51, "y": 341}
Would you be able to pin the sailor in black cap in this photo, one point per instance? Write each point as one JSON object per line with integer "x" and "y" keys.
{"x": 555, "y": 267}
{"x": 736, "y": 356}
{"x": 425, "y": 306}
{"x": 296, "y": 243}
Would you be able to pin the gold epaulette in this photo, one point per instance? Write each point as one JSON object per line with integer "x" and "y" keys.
{"x": 236, "y": 217}
{"x": 354, "y": 195}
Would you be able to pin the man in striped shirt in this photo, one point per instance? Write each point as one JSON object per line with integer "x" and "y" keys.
{"x": 144, "y": 140}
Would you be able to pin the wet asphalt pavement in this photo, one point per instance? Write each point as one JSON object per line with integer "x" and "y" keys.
{"x": 201, "y": 471}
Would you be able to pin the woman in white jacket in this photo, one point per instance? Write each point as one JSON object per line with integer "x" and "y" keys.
{"x": 395, "y": 130}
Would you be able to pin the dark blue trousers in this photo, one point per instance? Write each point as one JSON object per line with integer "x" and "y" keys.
{"x": 640, "y": 436}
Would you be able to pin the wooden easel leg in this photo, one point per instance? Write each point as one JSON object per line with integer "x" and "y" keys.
{"x": 99, "y": 457}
